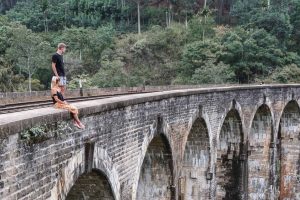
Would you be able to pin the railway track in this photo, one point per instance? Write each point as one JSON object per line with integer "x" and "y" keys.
{"x": 17, "y": 107}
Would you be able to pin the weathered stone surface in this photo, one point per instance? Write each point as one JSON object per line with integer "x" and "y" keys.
{"x": 288, "y": 162}
{"x": 230, "y": 164}
{"x": 259, "y": 154}
{"x": 155, "y": 181}
{"x": 195, "y": 164}
{"x": 117, "y": 141}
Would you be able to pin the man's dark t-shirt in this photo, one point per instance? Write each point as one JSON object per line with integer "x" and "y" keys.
{"x": 59, "y": 64}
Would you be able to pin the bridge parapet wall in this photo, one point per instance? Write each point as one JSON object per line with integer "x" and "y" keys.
{"x": 118, "y": 132}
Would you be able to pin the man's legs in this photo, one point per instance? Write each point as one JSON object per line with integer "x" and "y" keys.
{"x": 63, "y": 84}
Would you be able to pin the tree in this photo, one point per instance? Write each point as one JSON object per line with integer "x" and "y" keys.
{"x": 244, "y": 10}
{"x": 7, "y": 77}
{"x": 155, "y": 56}
{"x": 287, "y": 74}
{"x": 276, "y": 23}
{"x": 295, "y": 21}
{"x": 8, "y": 80}
{"x": 251, "y": 53}
{"x": 45, "y": 7}
{"x": 28, "y": 50}
{"x": 201, "y": 28}
{"x": 187, "y": 9}
{"x": 77, "y": 39}
{"x": 5, "y": 34}
{"x": 6, "y": 5}
{"x": 139, "y": 4}
{"x": 195, "y": 55}
{"x": 213, "y": 72}
{"x": 110, "y": 75}
{"x": 98, "y": 41}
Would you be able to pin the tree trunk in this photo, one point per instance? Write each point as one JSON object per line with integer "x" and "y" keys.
{"x": 29, "y": 82}
{"x": 29, "y": 75}
{"x": 167, "y": 19}
{"x": 221, "y": 6}
{"x": 170, "y": 10}
{"x": 46, "y": 23}
{"x": 139, "y": 18}
{"x": 65, "y": 18}
{"x": 203, "y": 32}
{"x": 186, "y": 21}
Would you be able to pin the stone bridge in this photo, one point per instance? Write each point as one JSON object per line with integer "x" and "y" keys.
{"x": 238, "y": 142}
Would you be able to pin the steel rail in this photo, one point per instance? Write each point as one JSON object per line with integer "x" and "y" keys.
{"x": 17, "y": 107}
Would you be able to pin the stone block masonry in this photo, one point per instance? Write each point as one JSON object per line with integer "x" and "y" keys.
{"x": 238, "y": 142}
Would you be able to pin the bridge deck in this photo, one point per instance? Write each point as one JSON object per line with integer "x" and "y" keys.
{"x": 14, "y": 122}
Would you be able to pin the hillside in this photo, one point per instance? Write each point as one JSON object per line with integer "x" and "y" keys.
{"x": 180, "y": 42}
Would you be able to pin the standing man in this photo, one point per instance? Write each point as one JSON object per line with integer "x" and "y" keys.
{"x": 58, "y": 66}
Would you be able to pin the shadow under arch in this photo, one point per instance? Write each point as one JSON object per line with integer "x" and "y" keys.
{"x": 230, "y": 168}
{"x": 91, "y": 185}
{"x": 288, "y": 152}
{"x": 156, "y": 174}
{"x": 260, "y": 156}
{"x": 195, "y": 173}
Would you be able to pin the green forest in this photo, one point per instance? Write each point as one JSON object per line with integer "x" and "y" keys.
{"x": 114, "y": 43}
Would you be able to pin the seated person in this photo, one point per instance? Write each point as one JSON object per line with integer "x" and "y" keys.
{"x": 60, "y": 103}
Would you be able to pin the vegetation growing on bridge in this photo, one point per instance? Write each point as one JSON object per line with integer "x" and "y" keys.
{"x": 42, "y": 132}
{"x": 181, "y": 42}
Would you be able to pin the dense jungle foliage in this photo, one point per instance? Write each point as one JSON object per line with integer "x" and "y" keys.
{"x": 149, "y": 42}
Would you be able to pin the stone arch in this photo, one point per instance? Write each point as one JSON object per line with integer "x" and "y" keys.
{"x": 195, "y": 173}
{"x": 158, "y": 127}
{"x": 76, "y": 167}
{"x": 67, "y": 176}
{"x": 230, "y": 169}
{"x": 103, "y": 162}
{"x": 156, "y": 173}
{"x": 260, "y": 153}
{"x": 288, "y": 152}
{"x": 199, "y": 113}
{"x": 263, "y": 102}
{"x": 234, "y": 105}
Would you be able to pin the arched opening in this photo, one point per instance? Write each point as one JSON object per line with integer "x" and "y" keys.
{"x": 156, "y": 176}
{"x": 260, "y": 151}
{"x": 193, "y": 182}
{"x": 230, "y": 159}
{"x": 92, "y": 185}
{"x": 288, "y": 165}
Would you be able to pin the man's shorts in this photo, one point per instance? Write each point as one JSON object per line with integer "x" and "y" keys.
{"x": 62, "y": 81}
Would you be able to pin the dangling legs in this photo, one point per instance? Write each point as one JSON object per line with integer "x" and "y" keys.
{"x": 74, "y": 113}
{"x": 77, "y": 121}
